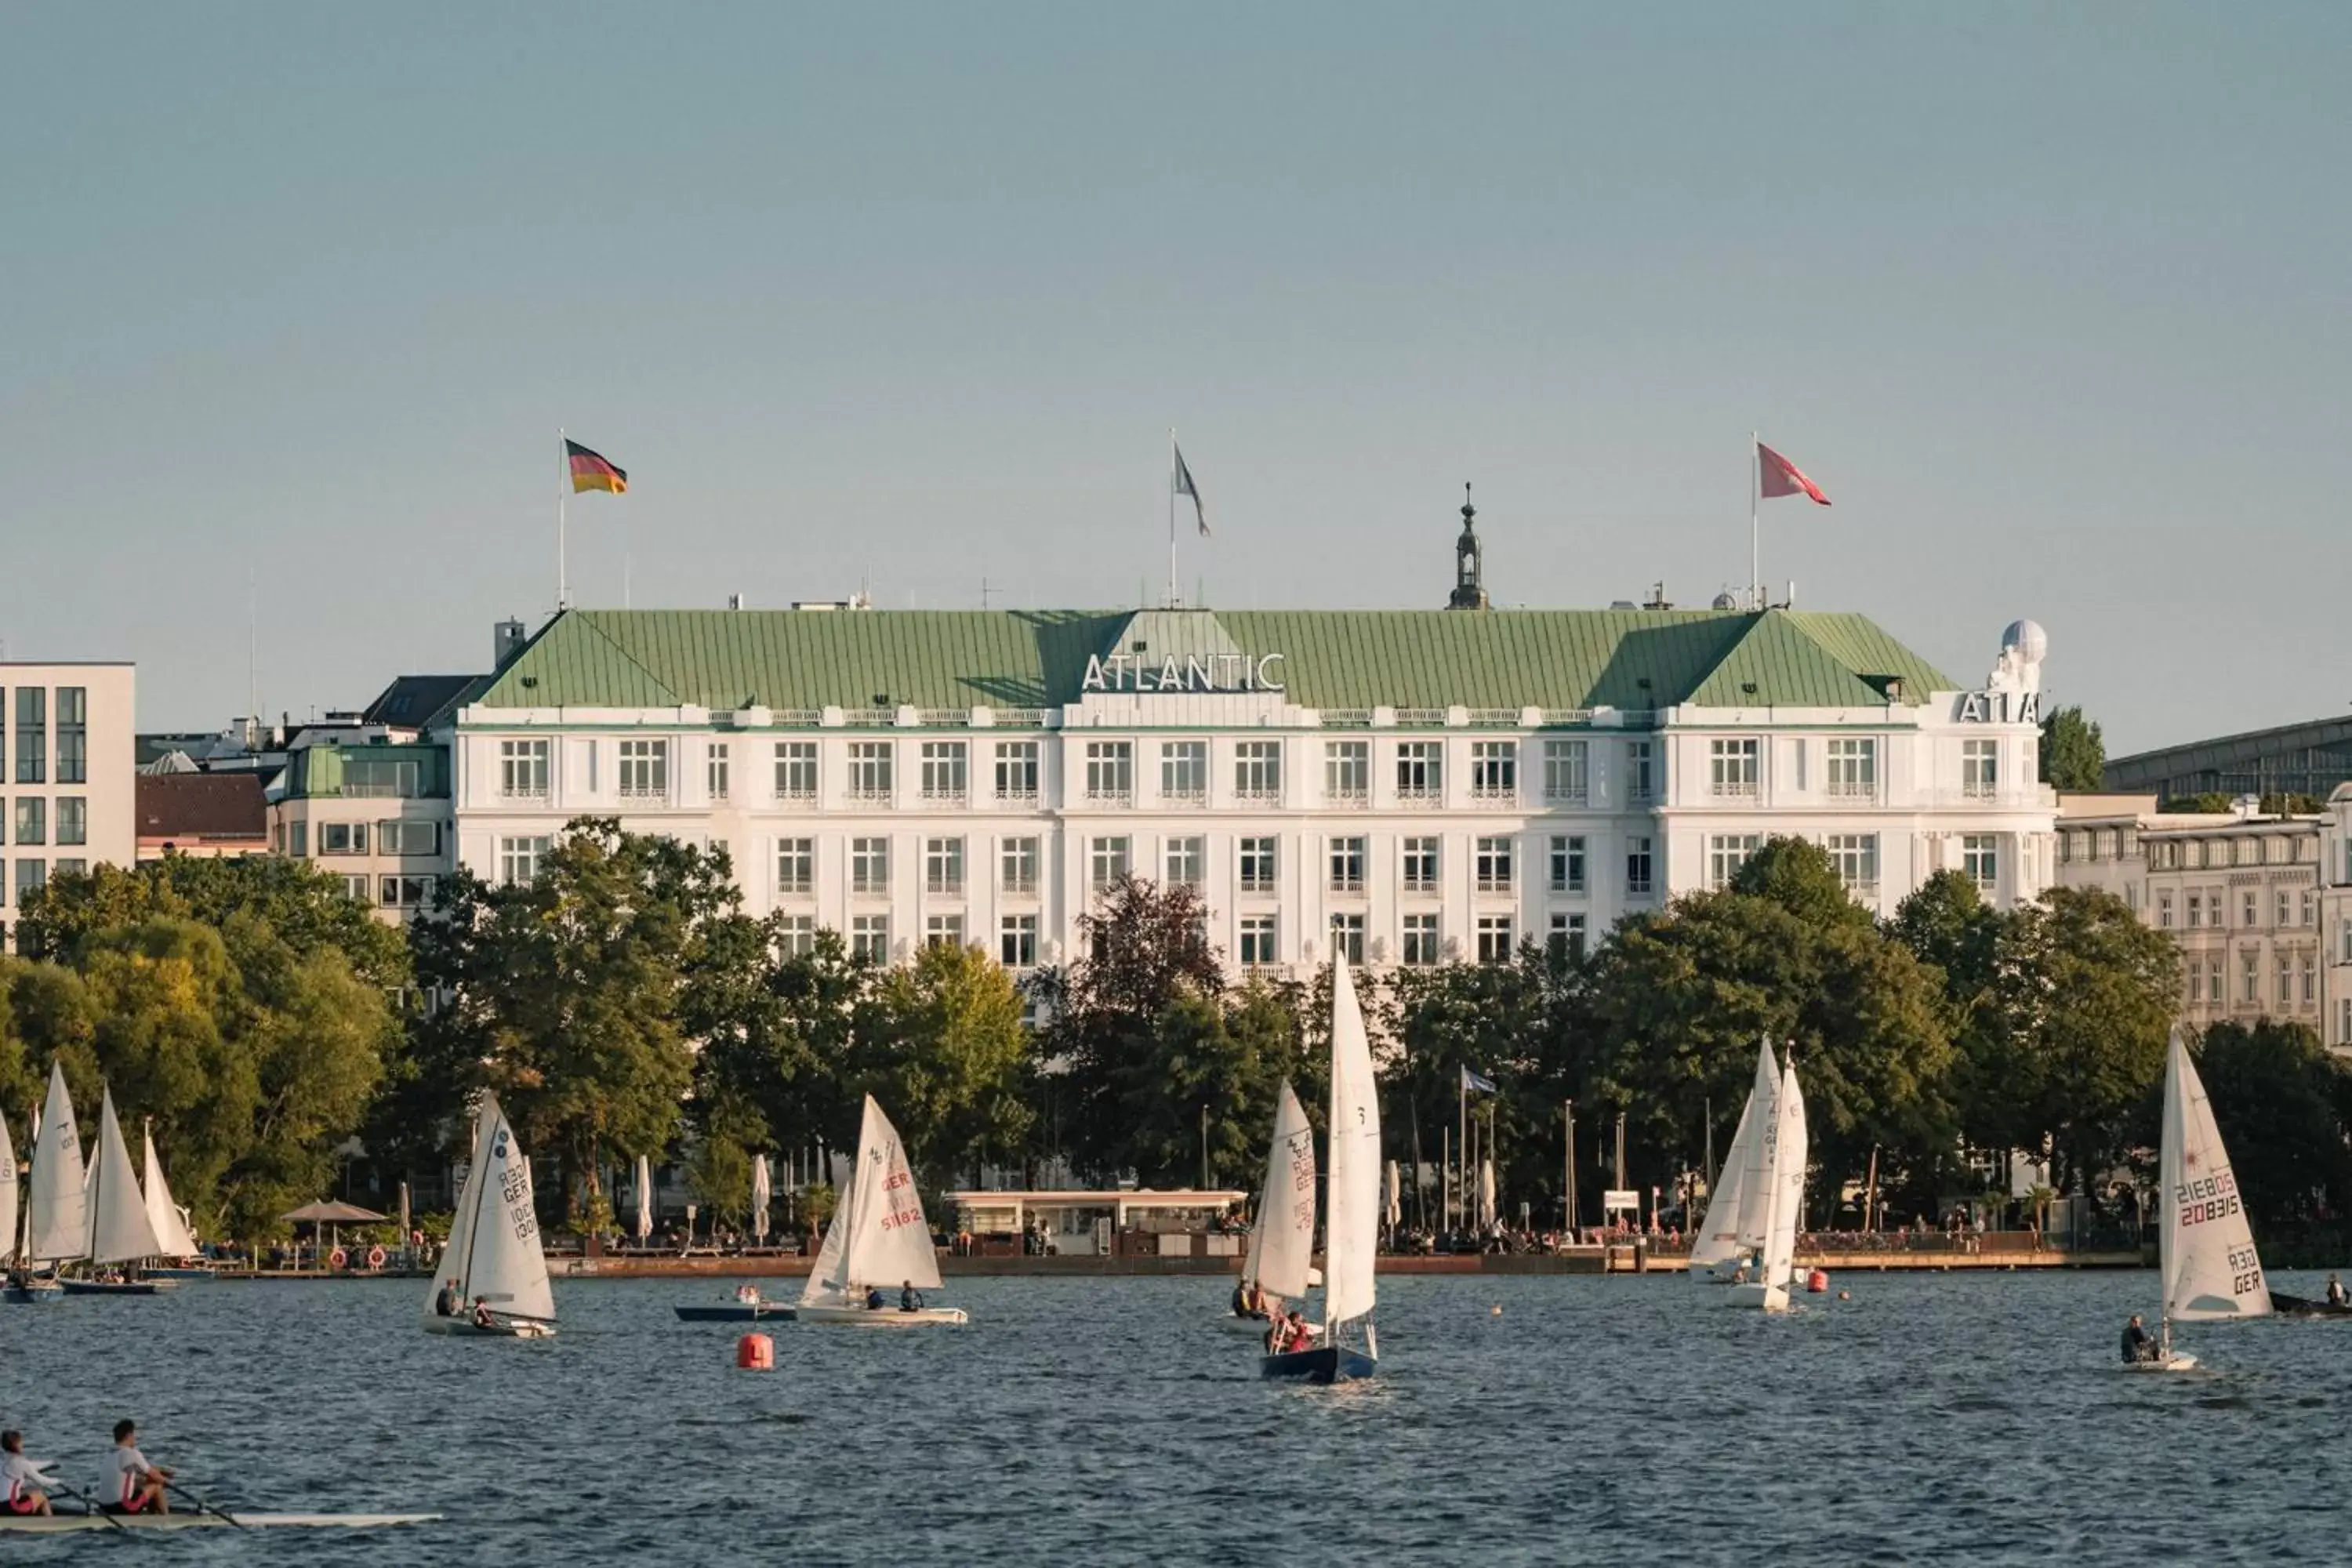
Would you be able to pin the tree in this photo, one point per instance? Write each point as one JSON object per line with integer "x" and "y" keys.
{"x": 949, "y": 1058}
{"x": 2275, "y": 1094}
{"x": 2074, "y": 754}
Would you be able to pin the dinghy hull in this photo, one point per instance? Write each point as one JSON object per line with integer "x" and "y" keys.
{"x": 467, "y": 1328}
{"x": 883, "y": 1318}
{"x": 33, "y": 1295}
{"x": 114, "y": 1287}
{"x": 1323, "y": 1364}
{"x": 2173, "y": 1362}
{"x": 746, "y": 1314}
{"x": 1770, "y": 1298}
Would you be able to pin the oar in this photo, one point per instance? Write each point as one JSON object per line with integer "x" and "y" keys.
{"x": 202, "y": 1506}
{"x": 92, "y": 1504}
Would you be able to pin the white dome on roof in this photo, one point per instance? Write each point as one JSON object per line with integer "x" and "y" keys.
{"x": 2027, "y": 638}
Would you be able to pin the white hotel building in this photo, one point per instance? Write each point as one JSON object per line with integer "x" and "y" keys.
{"x": 1412, "y": 786}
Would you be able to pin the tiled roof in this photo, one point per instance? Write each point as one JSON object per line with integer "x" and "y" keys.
{"x": 1631, "y": 659}
{"x": 202, "y": 807}
{"x": 413, "y": 701}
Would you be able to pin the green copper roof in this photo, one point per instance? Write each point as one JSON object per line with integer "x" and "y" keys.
{"x": 1633, "y": 659}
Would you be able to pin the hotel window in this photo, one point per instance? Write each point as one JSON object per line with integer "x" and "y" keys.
{"x": 395, "y": 837}
{"x": 334, "y": 837}
{"x": 73, "y": 735}
{"x": 1855, "y": 856}
{"x": 1348, "y": 772}
{"x": 2213, "y": 991}
{"x": 1567, "y": 937}
{"x": 1567, "y": 863}
{"x": 2164, "y": 912}
{"x": 32, "y": 820}
{"x": 2285, "y": 981}
{"x": 1980, "y": 858}
{"x": 2343, "y": 1021}
{"x": 1347, "y": 865}
{"x": 1494, "y": 939}
{"x": 1495, "y": 771}
{"x": 795, "y": 866}
{"x": 1853, "y": 768}
{"x": 796, "y": 936}
{"x": 1016, "y": 770}
{"x": 1727, "y": 853}
{"x": 1491, "y": 865}
{"x": 1258, "y": 862}
{"x": 1980, "y": 768}
{"x": 645, "y": 770}
{"x": 32, "y": 876}
{"x": 1185, "y": 862}
{"x": 1419, "y": 947}
{"x": 522, "y": 770}
{"x": 869, "y": 865}
{"x": 869, "y": 771}
{"x": 1420, "y": 771}
{"x": 943, "y": 866}
{"x": 1257, "y": 770}
{"x": 796, "y": 770}
{"x": 2195, "y": 910}
{"x": 1107, "y": 863}
{"x": 1567, "y": 766}
{"x": 869, "y": 937}
{"x": 1732, "y": 767}
{"x": 2343, "y": 943}
{"x": 2250, "y": 964}
{"x": 381, "y": 778}
{"x": 716, "y": 761}
{"x": 1641, "y": 772}
{"x": 1110, "y": 771}
{"x": 1348, "y": 937}
{"x": 519, "y": 859}
{"x": 2249, "y": 910}
{"x": 943, "y": 931}
{"x": 404, "y": 892}
{"x": 1421, "y": 866}
{"x": 2196, "y": 980}
{"x": 32, "y": 734}
{"x": 943, "y": 771}
{"x": 1257, "y": 941}
{"x": 2310, "y": 897}
{"x": 1017, "y": 942}
{"x": 1016, "y": 866}
{"x": 2283, "y": 907}
{"x": 1638, "y": 867}
{"x": 1184, "y": 772}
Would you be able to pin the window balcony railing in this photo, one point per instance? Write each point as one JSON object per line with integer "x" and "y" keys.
{"x": 1576, "y": 796}
{"x": 789, "y": 794}
{"x": 956, "y": 796}
{"x": 524, "y": 792}
{"x": 1491, "y": 796}
{"x": 1980, "y": 789}
{"x": 1735, "y": 789}
{"x": 643, "y": 792}
{"x": 1346, "y": 884}
{"x": 1121, "y": 798}
{"x": 1016, "y": 796}
{"x": 1349, "y": 799}
{"x": 868, "y": 794}
{"x": 1496, "y": 885}
{"x": 1250, "y": 884}
{"x": 1020, "y": 887}
{"x": 944, "y": 887}
{"x": 1852, "y": 789}
{"x": 1258, "y": 794}
{"x": 1420, "y": 798}
{"x": 1190, "y": 799}
{"x": 870, "y": 887}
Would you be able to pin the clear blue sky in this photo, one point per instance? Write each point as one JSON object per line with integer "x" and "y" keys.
{"x": 2051, "y": 298}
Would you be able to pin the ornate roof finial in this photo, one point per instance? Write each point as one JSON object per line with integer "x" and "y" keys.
{"x": 1469, "y": 575}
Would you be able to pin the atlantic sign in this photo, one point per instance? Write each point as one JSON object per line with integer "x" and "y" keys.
{"x": 1199, "y": 672}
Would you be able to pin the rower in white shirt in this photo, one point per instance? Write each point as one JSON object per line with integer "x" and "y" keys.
{"x": 20, "y": 1479}
{"x": 138, "y": 1485}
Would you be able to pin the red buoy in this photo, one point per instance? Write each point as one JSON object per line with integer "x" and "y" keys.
{"x": 755, "y": 1353}
{"x": 1817, "y": 1282}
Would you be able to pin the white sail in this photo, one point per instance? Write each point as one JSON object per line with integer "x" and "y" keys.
{"x": 119, "y": 1229}
{"x": 494, "y": 1247}
{"x": 59, "y": 1225}
{"x": 891, "y": 1244}
{"x": 457, "y": 1256}
{"x": 7, "y": 1195}
{"x": 1791, "y": 1149}
{"x": 172, "y": 1237}
{"x": 645, "y": 1197}
{"x": 1722, "y": 1235}
{"x": 1283, "y": 1245}
{"x": 2211, "y": 1268}
{"x": 760, "y": 1194}
{"x": 827, "y": 1283}
{"x": 1352, "y": 1224}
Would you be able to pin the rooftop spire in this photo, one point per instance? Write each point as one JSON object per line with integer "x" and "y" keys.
{"x": 1469, "y": 572}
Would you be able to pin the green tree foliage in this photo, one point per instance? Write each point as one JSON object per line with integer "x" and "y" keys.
{"x": 2278, "y": 1099}
{"x": 2074, "y": 754}
{"x": 948, "y": 1057}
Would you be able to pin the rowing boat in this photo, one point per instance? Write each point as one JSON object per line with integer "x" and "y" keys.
{"x": 59, "y": 1524}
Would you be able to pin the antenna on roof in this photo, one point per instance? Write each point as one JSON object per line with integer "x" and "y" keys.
{"x": 984, "y": 592}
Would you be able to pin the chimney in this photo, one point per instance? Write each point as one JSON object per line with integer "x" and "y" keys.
{"x": 507, "y": 639}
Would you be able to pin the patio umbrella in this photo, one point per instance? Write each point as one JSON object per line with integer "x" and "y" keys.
{"x": 759, "y": 1196}
{"x": 645, "y": 1197}
{"x": 320, "y": 1215}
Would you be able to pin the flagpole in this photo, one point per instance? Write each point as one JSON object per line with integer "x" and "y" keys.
{"x": 563, "y": 589}
{"x": 1171, "y": 517}
{"x": 1755, "y": 531}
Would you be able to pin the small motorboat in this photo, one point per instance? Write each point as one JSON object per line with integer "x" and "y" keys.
{"x": 748, "y": 1307}
{"x": 78, "y": 1287}
{"x": 2287, "y": 1306}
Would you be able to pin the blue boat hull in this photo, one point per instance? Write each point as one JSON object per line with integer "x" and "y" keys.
{"x": 770, "y": 1314}
{"x": 1325, "y": 1364}
{"x": 32, "y": 1296}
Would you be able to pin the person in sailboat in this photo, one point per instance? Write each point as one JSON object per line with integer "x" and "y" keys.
{"x": 139, "y": 1487}
{"x": 2337, "y": 1296}
{"x": 483, "y": 1317}
{"x": 20, "y": 1479}
{"x": 874, "y": 1299}
{"x": 447, "y": 1302}
{"x": 1242, "y": 1299}
{"x": 2137, "y": 1345}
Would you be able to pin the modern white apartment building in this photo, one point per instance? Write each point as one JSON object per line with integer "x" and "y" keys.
{"x": 66, "y": 734}
{"x": 1406, "y": 786}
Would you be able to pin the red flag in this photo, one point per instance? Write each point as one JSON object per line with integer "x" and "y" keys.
{"x": 1783, "y": 478}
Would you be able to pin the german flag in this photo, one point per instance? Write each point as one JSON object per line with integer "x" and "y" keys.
{"x": 592, "y": 471}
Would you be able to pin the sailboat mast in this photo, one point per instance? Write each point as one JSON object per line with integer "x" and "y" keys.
{"x": 473, "y": 1224}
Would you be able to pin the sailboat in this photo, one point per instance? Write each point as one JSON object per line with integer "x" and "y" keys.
{"x": 494, "y": 1257}
{"x": 1351, "y": 1223}
{"x": 119, "y": 1229}
{"x": 879, "y": 1240}
{"x": 1282, "y": 1242}
{"x": 56, "y": 1229}
{"x": 172, "y": 1239}
{"x": 1784, "y": 1151}
{"x": 9, "y": 1197}
{"x": 1732, "y": 1231}
{"x": 2206, "y": 1249}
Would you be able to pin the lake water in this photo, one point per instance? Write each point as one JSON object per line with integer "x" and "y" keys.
{"x": 1933, "y": 1418}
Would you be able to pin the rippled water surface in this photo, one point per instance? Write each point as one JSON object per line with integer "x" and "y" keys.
{"x": 1932, "y": 1418}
